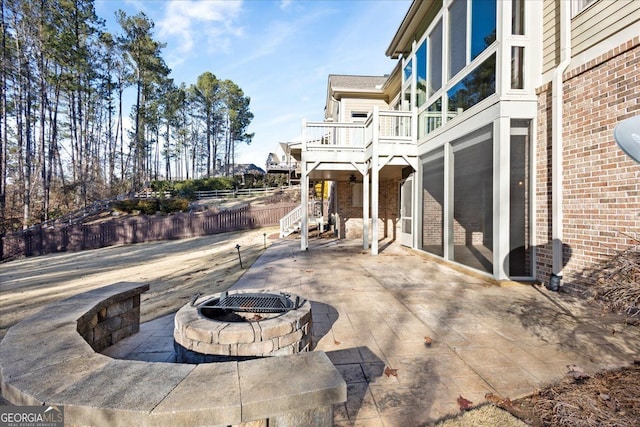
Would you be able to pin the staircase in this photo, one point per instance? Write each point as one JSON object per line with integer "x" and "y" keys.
{"x": 292, "y": 222}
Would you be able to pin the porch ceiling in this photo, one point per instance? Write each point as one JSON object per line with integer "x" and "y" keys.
{"x": 387, "y": 173}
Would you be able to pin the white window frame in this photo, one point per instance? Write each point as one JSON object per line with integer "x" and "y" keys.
{"x": 578, "y": 6}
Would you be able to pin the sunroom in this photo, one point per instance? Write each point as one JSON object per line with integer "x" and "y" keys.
{"x": 468, "y": 68}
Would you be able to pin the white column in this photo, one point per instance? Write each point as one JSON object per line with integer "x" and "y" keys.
{"x": 375, "y": 177}
{"x": 447, "y": 232}
{"x": 365, "y": 208}
{"x": 501, "y": 208}
{"x": 304, "y": 193}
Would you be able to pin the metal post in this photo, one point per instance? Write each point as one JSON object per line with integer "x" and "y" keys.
{"x": 239, "y": 257}
{"x": 265, "y": 240}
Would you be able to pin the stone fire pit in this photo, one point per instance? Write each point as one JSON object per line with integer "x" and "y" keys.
{"x": 241, "y": 325}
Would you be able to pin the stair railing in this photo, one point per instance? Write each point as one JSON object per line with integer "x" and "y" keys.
{"x": 291, "y": 221}
{"x": 287, "y": 221}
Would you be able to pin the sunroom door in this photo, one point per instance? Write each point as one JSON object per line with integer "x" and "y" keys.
{"x": 406, "y": 210}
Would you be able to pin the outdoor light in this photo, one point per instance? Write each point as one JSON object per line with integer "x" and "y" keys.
{"x": 352, "y": 178}
{"x": 239, "y": 257}
{"x": 627, "y": 136}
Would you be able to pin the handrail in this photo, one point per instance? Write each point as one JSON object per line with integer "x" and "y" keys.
{"x": 289, "y": 220}
{"x": 394, "y": 127}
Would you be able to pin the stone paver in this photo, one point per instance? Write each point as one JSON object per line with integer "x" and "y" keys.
{"x": 371, "y": 315}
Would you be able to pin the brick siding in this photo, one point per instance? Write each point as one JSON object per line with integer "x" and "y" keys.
{"x": 601, "y": 185}
{"x": 351, "y": 217}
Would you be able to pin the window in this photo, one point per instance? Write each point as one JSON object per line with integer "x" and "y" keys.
{"x": 430, "y": 119}
{"x": 517, "y": 17}
{"x": 520, "y": 250}
{"x": 578, "y": 6}
{"x": 457, "y": 36}
{"x": 406, "y": 100}
{"x": 517, "y": 67}
{"x": 483, "y": 26}
{"x": 476, "y": 86}
{"x": 473, "y": 200}
{"x": 357, "y": 116}
{"x": 421, "y": 74}
{"x": 356, "y": 194}
{"x": 408, "y": 71}
{"x": 434, "y": 61}
{"x": 433, "y": 204}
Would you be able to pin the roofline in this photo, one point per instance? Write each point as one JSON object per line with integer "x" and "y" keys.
{"x": 406, "y": 32}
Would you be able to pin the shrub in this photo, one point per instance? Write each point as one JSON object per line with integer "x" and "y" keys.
{"x": 177, "y": 204}
{"x": 148, "y": 206}
{"x": 128, "y": 205}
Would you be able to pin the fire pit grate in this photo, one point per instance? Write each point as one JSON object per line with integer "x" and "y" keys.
{"x": 253, "y": 303}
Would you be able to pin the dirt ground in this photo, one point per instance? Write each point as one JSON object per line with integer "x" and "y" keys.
{"x": 175, "y": 271}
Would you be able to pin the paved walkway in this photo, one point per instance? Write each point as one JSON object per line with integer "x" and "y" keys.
{"x": 375, "y": 316}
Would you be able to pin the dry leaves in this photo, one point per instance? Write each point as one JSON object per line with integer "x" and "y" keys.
{"x": 390, "y": 371}
{"x": 577, "y": 373}
{"x": 497, "y": 400}
{"x": 428, "y": 340}
{"x": 464, "y": 404}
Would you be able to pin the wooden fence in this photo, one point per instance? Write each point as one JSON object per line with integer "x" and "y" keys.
{"x": 40, "y": 240}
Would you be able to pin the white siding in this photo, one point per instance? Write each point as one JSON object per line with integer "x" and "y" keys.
{"x": 602, "y": 20}
{"x": 361, "y": 105}
{"x": 550, "y": 35}
{"x": 596, "y": 23}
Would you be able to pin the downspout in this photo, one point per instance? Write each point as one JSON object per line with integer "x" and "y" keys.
{"x": 557, "y": 145}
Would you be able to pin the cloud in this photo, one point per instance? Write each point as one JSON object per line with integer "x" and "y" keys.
{"x": 210, "y": 23}
{"x": 284, "y": 4}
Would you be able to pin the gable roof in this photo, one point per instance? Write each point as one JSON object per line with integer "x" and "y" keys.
{"x": 341, "y": 82}
{"x": 339, "y": 85}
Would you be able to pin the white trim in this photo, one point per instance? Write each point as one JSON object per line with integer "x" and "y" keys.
{"x": 448, "y": 250}
{"x": 501, "y": 197}
{"x": 577, "y": 6}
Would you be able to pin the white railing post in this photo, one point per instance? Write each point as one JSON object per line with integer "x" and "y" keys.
{"x": 304, "y": 195}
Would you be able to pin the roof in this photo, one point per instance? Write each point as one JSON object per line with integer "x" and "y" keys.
{"x": 410, "y": 26}
{"x": 340, "y": 85}
{"x": 357, "y": 83}
{"x": 248, "y": 168}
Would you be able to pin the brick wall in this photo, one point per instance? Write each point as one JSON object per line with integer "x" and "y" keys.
{"x": 601, "y": 185}
{"x": 432, "y": 222}
{"x": 351, "y": 217}
{"x": 112, "y": 319}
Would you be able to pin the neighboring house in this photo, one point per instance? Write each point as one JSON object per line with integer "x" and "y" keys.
{"x": 490, "y": 144}
{"x": 248, "y": 172}
{"x": 281, "y": 161}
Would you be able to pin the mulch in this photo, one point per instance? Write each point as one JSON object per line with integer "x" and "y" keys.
{"x": 606, "y": 399}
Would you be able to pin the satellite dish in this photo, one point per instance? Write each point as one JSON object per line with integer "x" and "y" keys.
{"x": 627, "y": 136}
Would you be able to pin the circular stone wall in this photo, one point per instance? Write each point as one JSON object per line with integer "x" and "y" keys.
{"x": 198, "y": 339}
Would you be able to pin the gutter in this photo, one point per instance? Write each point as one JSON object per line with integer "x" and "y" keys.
{"x": 557, "y": 145}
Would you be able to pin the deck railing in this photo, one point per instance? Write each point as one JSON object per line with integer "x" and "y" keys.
{"x": 393, "y": 127}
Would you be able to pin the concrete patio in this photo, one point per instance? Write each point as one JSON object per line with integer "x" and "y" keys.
{"x": 410, "y": 335}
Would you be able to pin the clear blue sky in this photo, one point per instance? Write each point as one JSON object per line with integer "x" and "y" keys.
{"x": 279, "y": 52}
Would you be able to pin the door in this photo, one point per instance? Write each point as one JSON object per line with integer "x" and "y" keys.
{"x": 406, "y": 211}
